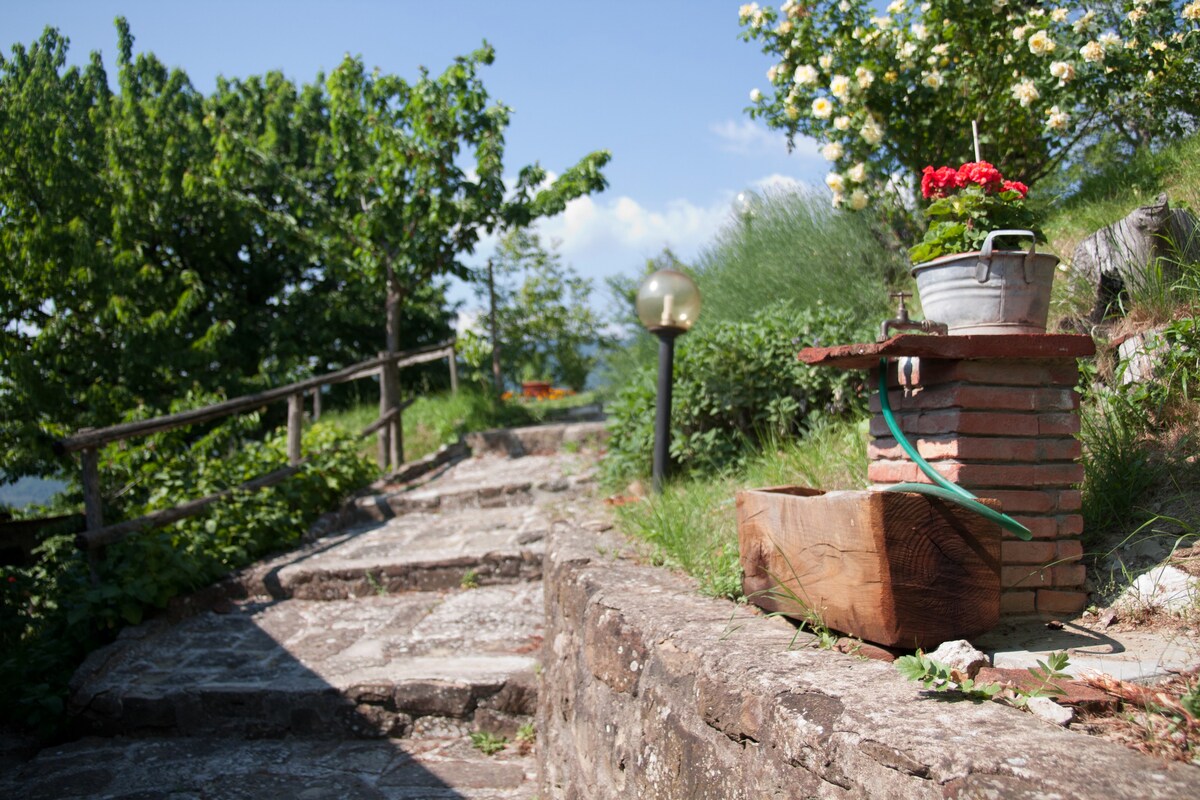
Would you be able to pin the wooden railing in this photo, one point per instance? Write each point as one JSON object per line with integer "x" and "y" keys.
{"x": 88, "y": 441}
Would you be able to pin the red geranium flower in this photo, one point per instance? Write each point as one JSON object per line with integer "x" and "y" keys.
{"x": 1015, "y": 186}
{"x": 980, "y": 173}
{"x": 936, "y": 182}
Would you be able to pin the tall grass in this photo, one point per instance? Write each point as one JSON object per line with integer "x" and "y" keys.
{"x": 692, "y": 525}
{"x": 790, "y": 245}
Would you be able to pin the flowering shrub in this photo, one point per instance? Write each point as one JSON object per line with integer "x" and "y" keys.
{"x": 886, "y": 92}
{"x": 967, "y": 204}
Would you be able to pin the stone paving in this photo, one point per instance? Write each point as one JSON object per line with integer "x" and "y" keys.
{"x": 355, "y": 667}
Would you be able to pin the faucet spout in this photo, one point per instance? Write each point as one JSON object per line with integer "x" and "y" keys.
{"x": 901, "y": 322}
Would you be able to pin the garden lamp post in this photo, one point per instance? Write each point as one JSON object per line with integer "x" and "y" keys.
{"x": 668, "y": 303}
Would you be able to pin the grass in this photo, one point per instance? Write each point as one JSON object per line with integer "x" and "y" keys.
{"x": 692, "y": 525}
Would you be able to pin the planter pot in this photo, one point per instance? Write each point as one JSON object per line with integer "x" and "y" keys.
{"x": 893, "y": 568}
{"x": 988, "y": 292}
{"x": 535, "y": 389}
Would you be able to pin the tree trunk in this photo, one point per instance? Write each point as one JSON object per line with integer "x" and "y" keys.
{"x": 496, "y": 378}
{"x": 395, "y": 297}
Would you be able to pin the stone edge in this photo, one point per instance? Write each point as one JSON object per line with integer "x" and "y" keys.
{"x": 718, "y": 693}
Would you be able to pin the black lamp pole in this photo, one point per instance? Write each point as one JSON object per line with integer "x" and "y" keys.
{"x": 662, "y": 412}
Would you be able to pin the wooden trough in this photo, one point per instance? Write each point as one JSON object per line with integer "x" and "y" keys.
{"x": 897, "y": 569}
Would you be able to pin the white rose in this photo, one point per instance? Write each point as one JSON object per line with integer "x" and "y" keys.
{"x": 1025, "y": 92}
{"x": 1108, "y": 40}
{"x": 835, "y": 182}
{"x": 822, "y": 108}
{"x": 1064, "y": 71}
{"x": 858, "y": 199}
{"x": 1191, "y": 11}
{"x": 839, "y": 86}
{"x": 1092, "y": 51}
{"x": 825, "y": 61}
{"x": 806, "y": 75}
{"x": 832, "y": 151}
{"x": 871, "y": 133}
{"x": 933, "y": 80}
{"x": 919, "y": 32}
{"x": 857, "y": 173}
{"x": 1056, "y": 119}
{"x": 1041, "y": 44}
{"x": 755, "y": 96}
{"x": 841, "y": 123}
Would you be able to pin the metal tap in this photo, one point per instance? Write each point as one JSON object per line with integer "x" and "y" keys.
{"x": 903, "y": 323}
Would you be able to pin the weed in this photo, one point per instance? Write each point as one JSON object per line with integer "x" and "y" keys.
{"x": 527, "y": 733}
{"x": 488, "y": 743}
{"x": 469, "y": 580}
{"x": 938, "y": 677}
{"x": 376, "y": 585}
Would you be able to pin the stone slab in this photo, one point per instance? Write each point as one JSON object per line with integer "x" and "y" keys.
{"x": 366, "y": 667}
{"x": 1137, "y": 656}
{"x": 221, "y": 769}
{"x": 649, "y": 690}
{"x": 866, "y": 355}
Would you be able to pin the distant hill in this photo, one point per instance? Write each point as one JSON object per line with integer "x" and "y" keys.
{"x": 29, "y": 490}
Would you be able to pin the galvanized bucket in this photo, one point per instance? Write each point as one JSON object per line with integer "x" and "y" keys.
{"x": 988, "y": 292}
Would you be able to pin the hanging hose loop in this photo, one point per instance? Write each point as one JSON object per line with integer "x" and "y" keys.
{"x": 945, "y": 489}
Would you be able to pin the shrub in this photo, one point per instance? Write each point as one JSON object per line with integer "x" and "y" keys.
{"x": 736, "y": 383}
{"x": 53, "y": 614}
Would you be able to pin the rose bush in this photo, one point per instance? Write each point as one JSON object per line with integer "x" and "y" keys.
{"x": 898, "y": 89}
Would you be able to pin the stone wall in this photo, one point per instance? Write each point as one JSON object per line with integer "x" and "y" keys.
{"x": 650, "y": 691}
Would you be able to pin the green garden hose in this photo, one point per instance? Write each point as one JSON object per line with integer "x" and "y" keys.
{"x": 945, "y": 490}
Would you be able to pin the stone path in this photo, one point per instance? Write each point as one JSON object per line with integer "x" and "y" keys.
{"x": 356, "y": 667}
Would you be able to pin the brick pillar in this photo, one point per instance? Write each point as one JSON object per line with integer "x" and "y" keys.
{"x": 1004, "y": 429}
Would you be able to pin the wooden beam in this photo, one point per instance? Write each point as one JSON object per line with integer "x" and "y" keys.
{"x": 386, "y": 418}
{"x": 115, "y": 433}
{"x": 896, "y": 569}
{"x": 113, "y": 533}
{"x": 295, "y": 427}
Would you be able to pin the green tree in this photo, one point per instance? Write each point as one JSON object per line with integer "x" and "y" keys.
{"x": 888, "y": 92}
{"x": 546, "y": 327}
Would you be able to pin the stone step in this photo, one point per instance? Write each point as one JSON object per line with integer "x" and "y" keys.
{"x": 424, "y": 664}
{"x": 487, "y": 481}
{"x": 223, "y": 769}
{"x": 428, "y": 551}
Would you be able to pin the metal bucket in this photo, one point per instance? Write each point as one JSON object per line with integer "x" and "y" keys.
{"x": 988, "y": 292}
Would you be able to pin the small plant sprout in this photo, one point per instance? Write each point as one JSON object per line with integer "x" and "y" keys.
{"x": 470, "y": 580}
{"x": 488, "y": 743}
{"x": 935, "y": 676}
{"x": 375, "y": 584}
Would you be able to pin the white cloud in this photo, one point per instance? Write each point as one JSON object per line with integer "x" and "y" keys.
{"x": 614, "y": 235}
{"x": 747, "y": 138}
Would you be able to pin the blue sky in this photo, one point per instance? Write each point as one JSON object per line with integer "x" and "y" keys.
{"x": 663, "y": 85}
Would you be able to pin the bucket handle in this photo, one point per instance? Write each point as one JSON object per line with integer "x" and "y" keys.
{"x": 983, "y": 268}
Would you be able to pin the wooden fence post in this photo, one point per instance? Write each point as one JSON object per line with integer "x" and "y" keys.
{"x": 316, "y": 412}
{"x": 92, "y": 511}
{"x": 385, "y": 405}
{"x": 396, "y": 453}
{"x": 295, "y": 427}
{"x": 453, "y": 371}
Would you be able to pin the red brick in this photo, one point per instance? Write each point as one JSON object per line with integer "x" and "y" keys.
{"x": 1066, "y": 424}
{"x": 1070, "y": 525}
{"x": 1066, "y": 575}
{"x": 1070, "y": 551}
{"x": 1058, "y": 474}
{"x": 986, "y": 423}
{"x": 1018, "y": 552}
{"x": 972, "y": 397}
{"x": 1024, "y": 577}
{"x": 930, "y": 371}
{"x": 1014, "y": 500}
{"x": 1054, "y": 601}
{"x": 998, "y": 475}
{"x": 894, "y": 472}
{"x": 1018, "y": 602}
{"x": 1064, "y": 449}
{"x": 1069, "y": 500}
{"x": 1040, "y": 527}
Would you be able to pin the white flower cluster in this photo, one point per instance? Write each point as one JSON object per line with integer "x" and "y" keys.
{"x": 1191, "y": 11}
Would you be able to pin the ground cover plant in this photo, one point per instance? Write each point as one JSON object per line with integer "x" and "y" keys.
{"x": 53, "y": 613}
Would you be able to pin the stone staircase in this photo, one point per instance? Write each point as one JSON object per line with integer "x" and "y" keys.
{"x": 355, "y": 667}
